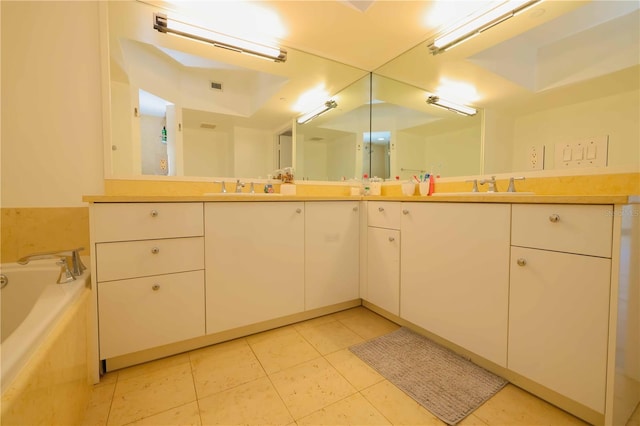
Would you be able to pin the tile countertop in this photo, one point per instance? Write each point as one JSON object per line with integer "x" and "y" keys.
{"x": 480, "y": 198}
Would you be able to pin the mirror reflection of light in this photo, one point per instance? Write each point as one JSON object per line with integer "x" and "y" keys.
{"x": 311, "y": 99}
{"x": 445, "y": 13}
{"x": 237, "y": 18}
{"x": 457, "y": 91}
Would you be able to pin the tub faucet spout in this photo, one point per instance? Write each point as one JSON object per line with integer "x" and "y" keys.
{"x": 76, "y": 268}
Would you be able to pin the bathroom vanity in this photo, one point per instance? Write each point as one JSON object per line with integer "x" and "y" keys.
{"x": 543, "y": 290}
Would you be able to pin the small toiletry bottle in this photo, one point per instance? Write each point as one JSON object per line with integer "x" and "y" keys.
{"x": 366, "y": 190}
{"x": 432, "y": 184}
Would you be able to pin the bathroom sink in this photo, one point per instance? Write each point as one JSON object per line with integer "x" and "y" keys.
{"x": 488, "y": 194}
{"x": 242, "y": 194}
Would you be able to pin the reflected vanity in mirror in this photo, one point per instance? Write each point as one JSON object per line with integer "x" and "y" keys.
{"x": 558, "y": 85}
{"x": 180, "y": 107}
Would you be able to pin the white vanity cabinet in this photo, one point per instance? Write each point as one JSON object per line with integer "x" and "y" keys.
{"x": 149, "y": 267}
{"x": 559, "y": 298}
{"x": 383, "y": 255}
{"x": 331, "y": 247}
{"x": 254, "y": 262}
{"x": 455, "y": 273}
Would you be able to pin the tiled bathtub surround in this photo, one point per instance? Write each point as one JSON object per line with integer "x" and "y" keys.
{"x": 54, "y": 387}
{"x": 299, "y": 374}
{"x": 27, "y": 230}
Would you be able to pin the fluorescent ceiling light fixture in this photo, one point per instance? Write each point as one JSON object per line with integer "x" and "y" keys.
{"x": 164, "y": 24}
{"x": 316, "y": 112}
{"x": 479, "y": 24}
{"x": 451, "y": 106}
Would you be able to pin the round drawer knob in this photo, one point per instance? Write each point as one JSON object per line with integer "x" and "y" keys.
{"x": 554, "y": 218}
{"x": 155, "y": 250}
{"x": 392, "y": 239}
{"x": 298, "y": 210}
{"x": 355, "y": 209}
{"x": 521, "y": 262}
{"x": 405, "y": 211}
{"x": 380, "y": 209}
{"x": 154, "y": 213}
{"x": 155, "y": 287}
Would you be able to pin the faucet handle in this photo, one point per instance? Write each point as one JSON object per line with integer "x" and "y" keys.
{"x": 512, "y": 186}
{"x": 223, "y": 190}
{"x": 475, "y": 184}
{"x": 252, "y": 189}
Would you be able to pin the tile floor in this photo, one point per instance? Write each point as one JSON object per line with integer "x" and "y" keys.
{"x": 302, "y": 374}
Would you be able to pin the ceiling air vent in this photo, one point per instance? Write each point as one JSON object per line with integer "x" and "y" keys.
{"x": 316, "y": 139}
{"x": 207, "y": 126}
{"x": 215, "y": 86}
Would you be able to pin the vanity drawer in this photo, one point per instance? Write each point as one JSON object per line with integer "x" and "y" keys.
{"x": 141, "y": 221}
{"x": 581, "y": 229}
{"x": 384, "y": 214}
{"x": 147, "y": 312}
{"x": 131, "y": 259}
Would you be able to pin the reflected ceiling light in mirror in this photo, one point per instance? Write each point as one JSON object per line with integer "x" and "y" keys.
{"x": 165, "y": 24}
{"x": 327, "y": 106}
{"x": 451, "y": 106}
{"x": 457, "y": 90}
{"x": 479, "y": 24}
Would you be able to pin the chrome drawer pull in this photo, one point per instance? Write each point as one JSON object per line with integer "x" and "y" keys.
{"x": 298, "y": 210}
{"x": 155, "y": 250}
{"x": 554, "y": 218}
{"x": 392, "y": 239}
{"x": 155, "y": 287}
{"x": 405, "y": 211}
{"x": 355, "y": 209}
{"x": 154, "y": 213}
{"x": 380, "y": 209}
{"x": 521, "y": 262}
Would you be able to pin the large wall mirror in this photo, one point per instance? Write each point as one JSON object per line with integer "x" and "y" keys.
{"x": 559, "y": 88}
{"x": 185, "y": 108}
{"x": 556, "y": 87}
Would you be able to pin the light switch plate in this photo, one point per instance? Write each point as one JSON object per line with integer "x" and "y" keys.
{"x": 588, "y": 152}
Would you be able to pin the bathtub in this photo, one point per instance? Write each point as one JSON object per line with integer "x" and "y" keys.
{"x": 30, "y": 306}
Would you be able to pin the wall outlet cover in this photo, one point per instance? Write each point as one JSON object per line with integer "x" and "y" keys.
{"x": 535, "y": 157}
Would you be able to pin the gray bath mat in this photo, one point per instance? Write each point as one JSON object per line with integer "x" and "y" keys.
{"x": 443, "y": 382}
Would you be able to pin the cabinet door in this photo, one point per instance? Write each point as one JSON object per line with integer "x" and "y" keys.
{"x": 254, "y": 262}
{"x": 383, "y": 266}
{"x": 331, "y": 252}
{"x": 455, "y": 273}
{"x": 143, "y": 313}
{"x": 558, "y": 320}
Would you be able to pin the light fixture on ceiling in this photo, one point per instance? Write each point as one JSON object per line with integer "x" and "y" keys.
{"x": 164, "y": 24}
{"x": 451, "y": 106}
{"x": 479, "y": 24}
{"x": 305, "y": 118}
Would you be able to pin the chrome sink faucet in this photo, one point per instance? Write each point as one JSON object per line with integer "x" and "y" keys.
{"x": 491, "y": 182}
{"x": 239, "y": 186}
{"x": 512, "y": 185}
{"x": 475, "y": 184}
{"x": 67, "y": 273}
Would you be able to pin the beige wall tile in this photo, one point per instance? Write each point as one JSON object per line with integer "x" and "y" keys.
{"x": 32, "y": 230}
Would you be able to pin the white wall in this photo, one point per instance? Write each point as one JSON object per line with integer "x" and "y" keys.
{"x": 254, "y": 154}
{"x": 207, "y": 153}
{"x": 617, "y": 115}
{"x": 52, "y": 151}
{"x": 153, "y": 151}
